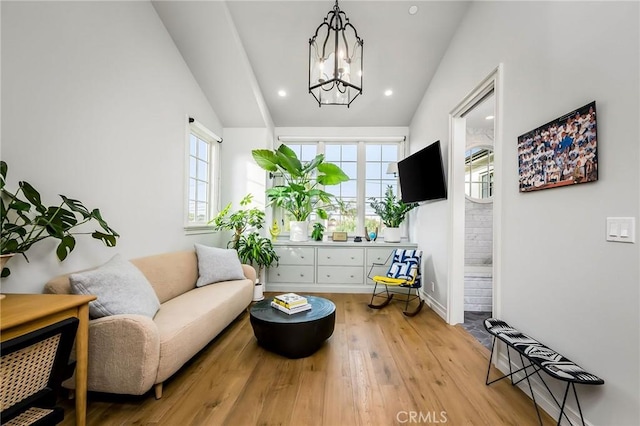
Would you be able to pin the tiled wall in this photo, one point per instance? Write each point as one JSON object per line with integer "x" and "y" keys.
{"x": 478, "y": 291}
{"x": 478, "y": 233}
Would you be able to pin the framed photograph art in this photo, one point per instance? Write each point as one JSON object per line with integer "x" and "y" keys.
{"x": 560, "y": 153}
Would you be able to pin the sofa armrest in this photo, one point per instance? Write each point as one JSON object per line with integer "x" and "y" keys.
{"x": 249, "y": 272}
{"x": 124, "y": 353}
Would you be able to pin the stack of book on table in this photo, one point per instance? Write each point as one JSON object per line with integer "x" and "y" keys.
{"x": 290, "y": 303}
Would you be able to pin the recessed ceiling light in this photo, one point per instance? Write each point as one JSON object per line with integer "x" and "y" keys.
{"x": 388, "y": 92}
{"x": 413, "y": 10}
{"x": 282, "y": 93}
{"x": 489, "y": 117}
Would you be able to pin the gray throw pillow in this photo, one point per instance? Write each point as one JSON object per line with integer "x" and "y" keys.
{"x": 216, "y": 265}
{"x": 121, "y": 288}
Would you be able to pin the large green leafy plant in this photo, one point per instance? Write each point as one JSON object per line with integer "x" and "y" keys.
{"x": 238, "y": 221}
{"x": 301, "y": 193}
{"x": 25, "y": 220}
{"x": 391, "y": 210}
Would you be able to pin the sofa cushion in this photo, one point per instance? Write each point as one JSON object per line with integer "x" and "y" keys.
{"x": 120, "y": 287}
{"x": 170, "y": 274}
{"x": 216, "y": 265}
{"x": 188, "y": 322}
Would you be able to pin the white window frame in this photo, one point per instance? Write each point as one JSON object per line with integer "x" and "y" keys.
{"x": 213, "y": 176}
{"x": 361, "y": 143}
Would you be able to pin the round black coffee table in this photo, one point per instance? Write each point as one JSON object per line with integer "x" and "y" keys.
{"x": 297, "y": 335}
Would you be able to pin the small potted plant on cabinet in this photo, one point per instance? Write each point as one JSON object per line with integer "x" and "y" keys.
{"x": 318, "y": 231}
{"x": 392, "y": 212}
{"x": 300, "y": 194}
{"x": 257, "y": 251}
{"x": 25, "y": 220}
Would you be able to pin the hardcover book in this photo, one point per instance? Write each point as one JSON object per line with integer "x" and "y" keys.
{"x": 297, "y": 309}
{"x": 290, "y": 300}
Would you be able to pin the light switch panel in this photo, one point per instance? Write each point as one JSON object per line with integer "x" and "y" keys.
{"x": 621, "y": 229}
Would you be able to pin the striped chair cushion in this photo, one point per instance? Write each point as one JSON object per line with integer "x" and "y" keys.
{"x": 405, "y": 265}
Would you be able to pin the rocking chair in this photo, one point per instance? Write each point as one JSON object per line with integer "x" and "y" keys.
{"x": 403, "y": 274}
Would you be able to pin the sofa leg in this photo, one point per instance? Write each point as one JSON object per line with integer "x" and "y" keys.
{"x": 158, "y": 390}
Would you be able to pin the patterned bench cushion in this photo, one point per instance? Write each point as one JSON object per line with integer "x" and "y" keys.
{"x": 547, "y": 359}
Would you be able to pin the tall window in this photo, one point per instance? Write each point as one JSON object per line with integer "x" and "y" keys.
{"x": 345, "y": 216}
{"x": 377, "y": 180}
{"x": 202, "y": 175}
{"x": 366, "y": 164}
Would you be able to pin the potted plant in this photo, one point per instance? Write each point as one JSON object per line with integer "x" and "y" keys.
{"x": 257, "y": 251}
{"x": 238, "y": 221}
{"x": 300, "y": 195}
{"x": 392, "y": 212}
{"x": 318, "y": 231}
{"x": 25, "y": 220}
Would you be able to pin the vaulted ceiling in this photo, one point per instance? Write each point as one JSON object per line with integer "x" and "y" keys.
{"x": 243, "y": 52}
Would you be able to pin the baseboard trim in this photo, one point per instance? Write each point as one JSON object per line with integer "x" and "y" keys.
{"x": 542, "y": 395}
{"x": 434, "y": 305}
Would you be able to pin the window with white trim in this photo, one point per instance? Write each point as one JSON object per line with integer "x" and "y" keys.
{"x": 366, "y": 164}
{"x": 202, "y": 175}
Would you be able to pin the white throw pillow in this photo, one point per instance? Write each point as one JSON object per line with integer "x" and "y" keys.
{"x": 217, "y": 264}
{"x": 121, "y": 288}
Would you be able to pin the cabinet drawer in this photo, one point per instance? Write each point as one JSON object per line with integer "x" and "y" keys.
{"x": 340, "y": 256}
{"x": 379, "y": 255}
{"x": 295, "y": 255}
{"x": 291, "y": 274}
{"x": 340, "y": 274}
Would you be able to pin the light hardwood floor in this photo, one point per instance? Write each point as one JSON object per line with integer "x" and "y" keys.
{"x": 378, "y": 368}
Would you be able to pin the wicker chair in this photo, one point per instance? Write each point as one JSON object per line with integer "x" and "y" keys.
{"x": 32, "y": 367}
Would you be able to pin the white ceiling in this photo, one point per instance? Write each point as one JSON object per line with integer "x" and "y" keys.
{"x": 243, "y": 52}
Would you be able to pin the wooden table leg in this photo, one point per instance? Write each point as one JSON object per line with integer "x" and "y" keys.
{"x": 82, "y": 356}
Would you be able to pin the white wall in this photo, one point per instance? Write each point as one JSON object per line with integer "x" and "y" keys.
{"x": 95, "y": 98}
{"x": 240, "y": 173}
{"x": 561, "y": 282}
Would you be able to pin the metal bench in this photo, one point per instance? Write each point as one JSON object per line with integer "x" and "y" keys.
{"x": 540, "y": 358}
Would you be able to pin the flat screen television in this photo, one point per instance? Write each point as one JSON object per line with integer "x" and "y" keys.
{"x": 422, "y": 175}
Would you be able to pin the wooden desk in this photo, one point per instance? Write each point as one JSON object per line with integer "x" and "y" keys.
{"x": 22, "y": 313}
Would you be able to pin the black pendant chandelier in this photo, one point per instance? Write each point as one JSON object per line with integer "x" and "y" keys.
{"x": 335, "y": 60}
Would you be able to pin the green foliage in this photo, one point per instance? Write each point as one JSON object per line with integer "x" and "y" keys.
{"x": 300, "y": 195}
{"x": 256, "y": 250}
{"x": 318, "y": 231}
{"x": 26, "y": 221}
{"x": 238, "y": 221}
{"x": 391, "y": 210}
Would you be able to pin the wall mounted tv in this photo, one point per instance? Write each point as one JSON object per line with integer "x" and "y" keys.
{"x": 422, "y": 175}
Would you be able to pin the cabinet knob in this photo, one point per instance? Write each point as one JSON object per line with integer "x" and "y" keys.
{"x": 302, "y": 275}
{"x": 351, "y": 276}
{"x": 278, "y": 274}
{"x": 328, "y": 257}
{"x": 352, "y": 257}
{"x": 301, "y": 257}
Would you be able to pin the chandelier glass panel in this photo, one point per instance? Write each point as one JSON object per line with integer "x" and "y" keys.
{"x": 335, "y": 60}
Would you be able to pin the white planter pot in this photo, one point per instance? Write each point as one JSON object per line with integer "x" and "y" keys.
{"x": 392, "y": 235}
{"x": 299, "y": 231}
{"x": 258, "y": 292}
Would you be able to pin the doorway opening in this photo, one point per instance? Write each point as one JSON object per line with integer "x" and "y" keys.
{"x": 478, "y": 245}
{"x": 475, "y": 185}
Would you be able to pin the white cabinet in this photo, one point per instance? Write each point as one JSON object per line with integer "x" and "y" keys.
{"x": 328, "y": 267}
